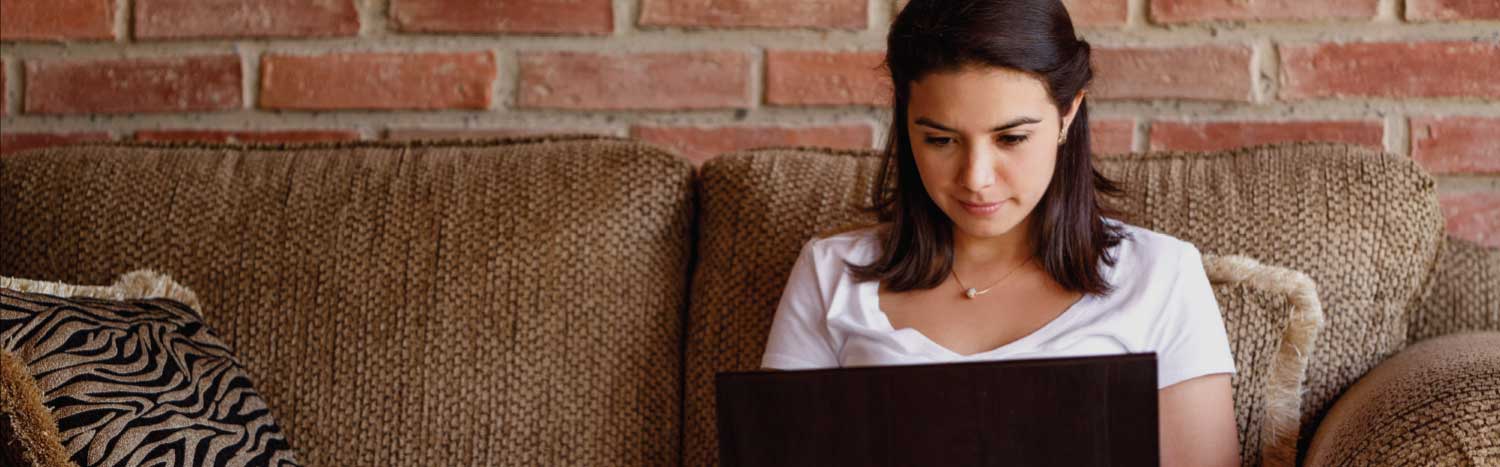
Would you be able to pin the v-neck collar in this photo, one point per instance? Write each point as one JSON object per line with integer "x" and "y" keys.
{"x": 884, "y": 321}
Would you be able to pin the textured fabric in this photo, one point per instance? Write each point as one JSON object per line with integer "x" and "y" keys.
{"x": 138, "y": 382}
{"x": 1273, "y": 316}
{"x": 28, "y": 434}
{"x": 511, "y": 302}
{"x": 1465, "y": 295}
{"x": 1435, "y": 403}
{"x": 1162, "y": 302}
{"x": 1362, "y": 224}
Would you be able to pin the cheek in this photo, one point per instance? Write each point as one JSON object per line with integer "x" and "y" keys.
{"x": 1034, "y": 173}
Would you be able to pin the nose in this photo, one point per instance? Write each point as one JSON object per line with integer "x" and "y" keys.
{"x": 978, "y": 171}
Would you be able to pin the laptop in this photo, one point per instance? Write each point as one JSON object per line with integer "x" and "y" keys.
{"x": 1073, "y": 411}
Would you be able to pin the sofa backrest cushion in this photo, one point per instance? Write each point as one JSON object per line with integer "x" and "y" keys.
{"x": 1465, "y": 296}
{"x": 514, "y": 302}
{"x": 1364, "y": 225}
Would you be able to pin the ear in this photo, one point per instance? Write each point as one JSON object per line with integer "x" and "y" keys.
{"x": 1067, "y": 120}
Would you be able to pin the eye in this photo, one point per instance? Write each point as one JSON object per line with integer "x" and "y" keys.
{"x": 938, "y": 141}
{"x": 1012, "y": 140}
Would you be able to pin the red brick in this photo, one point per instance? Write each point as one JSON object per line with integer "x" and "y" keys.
{"x": 1210, "y": 136}
{"x": 13, "y": 142}
{"x": 699, "y": 144}
{"x": 1087, "y": 13}
{"x": 236, "y": 136}
{"x": 176, "y": 19}
{"x": 1179, "y": 11}
{"x": 410, "y": 134}
{"x": 826, "y": 78}
{"x": 1110, "y": 136}
{"x": 1448, "y": 10}
{"x": 647, "y": 81}
{"x": 460, "y": 80}
{"x": 1457, "y": 144}
{"x": 510, "y": 16}
{"x": 1390, "y": 69}
{"x": 829, "y": 14}
{"x": 1473, "y": 216}
{"x": 57, "y": 19}
{"x": 1199, "y": 73}
{"x": 182, "y": 84}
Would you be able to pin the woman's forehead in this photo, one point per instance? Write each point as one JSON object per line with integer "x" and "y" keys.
{"x": 975, "y": 99}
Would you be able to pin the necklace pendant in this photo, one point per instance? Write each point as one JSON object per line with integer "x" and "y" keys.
{"x": 970, "y": 292}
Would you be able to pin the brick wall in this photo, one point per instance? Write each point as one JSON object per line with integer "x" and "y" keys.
{"x": 1414, "y": 77}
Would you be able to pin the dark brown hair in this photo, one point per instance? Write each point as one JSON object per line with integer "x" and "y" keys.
{"x": 1030, "y": 36}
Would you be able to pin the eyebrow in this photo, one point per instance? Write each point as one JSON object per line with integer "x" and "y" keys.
{"x": 1018, "y": 121}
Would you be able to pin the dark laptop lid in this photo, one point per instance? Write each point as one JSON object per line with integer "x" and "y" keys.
{"x": 1076, "y": 411}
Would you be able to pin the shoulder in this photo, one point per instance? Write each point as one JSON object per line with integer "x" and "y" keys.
{"x": 1146, "y": 252}
{"x": 853, "y": 243}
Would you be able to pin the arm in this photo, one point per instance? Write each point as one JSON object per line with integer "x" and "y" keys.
{"x": 799, "y": 335}
{"x": 1197, "y": 425}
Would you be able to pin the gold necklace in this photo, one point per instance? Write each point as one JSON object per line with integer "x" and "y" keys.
{"x": 970, "y": 293}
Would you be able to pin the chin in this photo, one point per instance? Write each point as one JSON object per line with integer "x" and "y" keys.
{"x": 984, "y": 227}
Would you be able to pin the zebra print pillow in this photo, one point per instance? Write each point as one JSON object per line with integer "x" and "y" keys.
{"x": 138, "y": 382}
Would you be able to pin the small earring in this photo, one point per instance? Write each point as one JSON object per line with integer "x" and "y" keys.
{"x": 1063, "y": 140}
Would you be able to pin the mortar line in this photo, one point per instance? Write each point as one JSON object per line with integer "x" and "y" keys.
{"x": 1137, "y": 15}
{"x": 1398, "y": 134}
{"x": 14, "y": 79}
{"x": 1141, "y": 135}
{"x": 124, "y": 16}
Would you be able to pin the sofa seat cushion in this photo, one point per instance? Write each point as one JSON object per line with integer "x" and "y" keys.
{"x": 1435, "y": 403}
{"x": 126, "y": 375}
{"x": 512, "y": 301}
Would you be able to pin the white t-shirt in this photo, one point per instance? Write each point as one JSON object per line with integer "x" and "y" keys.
{"x": 1162, "y": 302}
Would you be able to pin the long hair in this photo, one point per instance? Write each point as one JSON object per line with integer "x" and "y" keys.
{"x": 1035, "y": 37}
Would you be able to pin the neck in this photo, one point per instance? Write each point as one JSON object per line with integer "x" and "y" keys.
{"x": 1007, "y": 250}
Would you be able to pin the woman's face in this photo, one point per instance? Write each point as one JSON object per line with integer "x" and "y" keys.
{"x": 985, "y": 141}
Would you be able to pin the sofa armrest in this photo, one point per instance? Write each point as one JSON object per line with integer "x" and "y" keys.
{"x": 1435, "y": 403}
{"x": 1464, "y": 296}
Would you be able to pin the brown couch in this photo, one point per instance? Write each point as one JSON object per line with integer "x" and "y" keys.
{"x": 566, "y": 300}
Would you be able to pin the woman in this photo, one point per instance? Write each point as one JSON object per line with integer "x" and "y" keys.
{"x": 992, "y": 244}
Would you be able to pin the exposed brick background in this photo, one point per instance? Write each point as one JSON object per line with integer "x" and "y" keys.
{"x": 1208, "y": 136}
{"x": 1444, "y": 10}
{"x": 699, "y": 144}
{"x": 655, "y": 81}
{"x": 57, "y": 19}
{"x": 795, "y": 77}
{"x": 1457, "y": 145}
{"x": 833, "y": 14}
{"x": 513, "y": 16}
{"x": 1111, "y": 136}
{"x": 377, "y": 81}
{"x": 1201, "y": 73}
{"x": 186, "y": 84}
{"x": 1386, "y": 69}
{"x": 1178, "y": 11}
{"x": 1412, "y": 77}
{"x": 12, "y": 142}
{"x": 178, "y": 19}
{"x": 1475, "y": 216}
{"x": 261, "y": 136}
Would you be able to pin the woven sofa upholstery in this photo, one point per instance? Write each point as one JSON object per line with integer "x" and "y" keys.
{"x": 1363, "y": 224}
{"x": 513, "y": 303}
{"x": 565, "y": 300}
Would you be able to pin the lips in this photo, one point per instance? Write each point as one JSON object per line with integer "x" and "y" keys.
{"x": 981, "y": 209}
